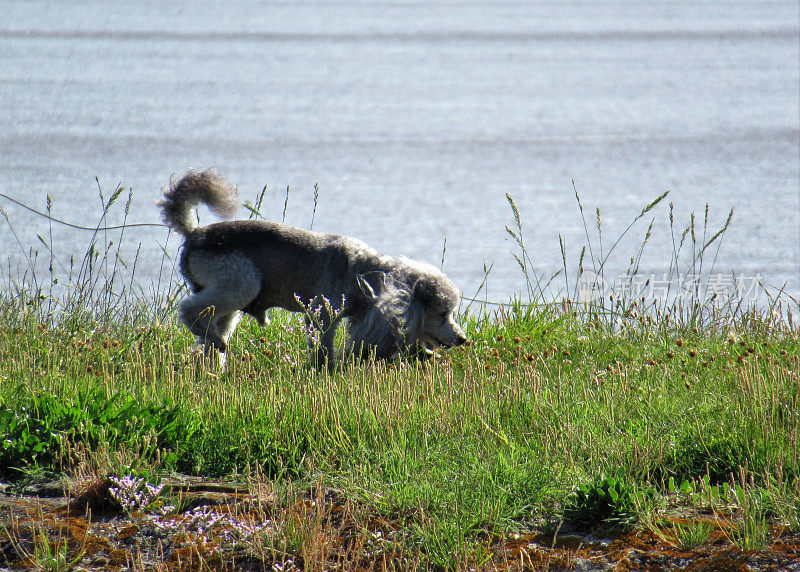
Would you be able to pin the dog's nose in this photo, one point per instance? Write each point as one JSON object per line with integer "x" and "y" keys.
{"x": 461, "y": 339}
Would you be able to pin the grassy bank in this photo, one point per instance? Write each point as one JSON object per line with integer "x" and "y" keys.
{"x": 554, "y": 417}
{"x": 491, "y": 438}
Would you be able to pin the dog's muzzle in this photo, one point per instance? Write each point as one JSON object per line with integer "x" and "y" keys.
{"x": 435, "y": 342}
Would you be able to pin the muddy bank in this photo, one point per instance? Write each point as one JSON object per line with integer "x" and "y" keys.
{"x": 210, "y": 524}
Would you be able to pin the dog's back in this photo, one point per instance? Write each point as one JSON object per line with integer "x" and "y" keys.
{"x": 291, "y": 263}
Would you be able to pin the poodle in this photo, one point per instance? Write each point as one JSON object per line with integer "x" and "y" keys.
{"x": 392, "y": 305}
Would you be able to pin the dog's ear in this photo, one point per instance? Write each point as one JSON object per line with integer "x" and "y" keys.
{"x": 373, "y": 284}
{"x": 366, "y": 287}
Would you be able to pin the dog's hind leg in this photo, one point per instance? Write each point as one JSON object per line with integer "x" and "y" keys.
{"x": 227, "y": 324}
{"x": 224, "y": 284}
{"x": 197, "y": 312}
{"x": 213, "y": 313}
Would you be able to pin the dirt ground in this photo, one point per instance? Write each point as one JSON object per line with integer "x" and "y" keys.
{"x": 222, "y": 526}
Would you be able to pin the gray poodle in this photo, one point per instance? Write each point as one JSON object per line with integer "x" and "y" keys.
{"x": 392, "y": 305}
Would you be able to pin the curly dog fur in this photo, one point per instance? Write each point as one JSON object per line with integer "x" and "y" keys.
{"x": 391, "y": 304}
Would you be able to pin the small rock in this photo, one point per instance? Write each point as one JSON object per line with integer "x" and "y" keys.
{"x": 51, "y": 489}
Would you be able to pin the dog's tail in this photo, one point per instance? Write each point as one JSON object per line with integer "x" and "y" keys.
{"x": 195, "y": 187}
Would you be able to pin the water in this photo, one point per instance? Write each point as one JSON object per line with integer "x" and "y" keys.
{"x": 416, "y": 120}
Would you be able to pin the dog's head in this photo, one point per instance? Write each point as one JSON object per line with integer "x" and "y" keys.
{"x": 413, "y": 309}
{"x": 436, "y": 300}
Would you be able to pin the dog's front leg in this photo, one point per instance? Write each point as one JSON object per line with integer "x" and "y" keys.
{"x": 321, "y": 334}
{"x": 321, "y": 322}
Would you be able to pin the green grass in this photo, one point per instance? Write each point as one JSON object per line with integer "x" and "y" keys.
{"x": 552, "y": 412}
{"x": 494, "y": 434}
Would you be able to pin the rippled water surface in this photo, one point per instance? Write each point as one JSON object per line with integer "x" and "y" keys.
{"x": 416, "y": 120}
